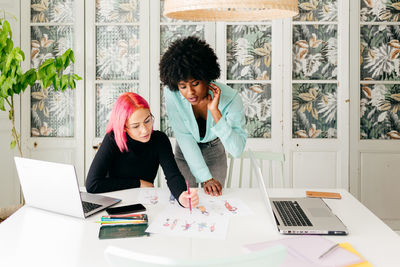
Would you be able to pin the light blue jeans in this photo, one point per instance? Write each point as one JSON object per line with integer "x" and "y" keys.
{"x": 215, "y": 157}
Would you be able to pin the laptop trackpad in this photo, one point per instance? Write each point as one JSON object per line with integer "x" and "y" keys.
{"x": 319, "y": 212}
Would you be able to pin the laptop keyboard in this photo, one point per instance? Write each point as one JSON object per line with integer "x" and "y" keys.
{"x": 88, "y": 206}
{"x": 291, "y": 213}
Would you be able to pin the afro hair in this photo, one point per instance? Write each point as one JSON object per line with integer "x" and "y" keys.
{"x": 187, "y": 58}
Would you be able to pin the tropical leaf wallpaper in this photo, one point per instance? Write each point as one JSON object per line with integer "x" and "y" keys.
{"x": 317, "y": 10}
{"x": 117, "y": 11}
{"x": 52, "y": 113}
{"x": 106, "y": 95}
{"x": 248, "y": 58}
{"x": 379, "y": 10}
{"x": 314, "y": 52}
{"x": 117, "y": 53}
{"x": 315, "y": 59}
{"x": 257, "y": 103}
{"x": 48, "y": 11}
{"x": 379, "y": 61}
{"x": 380, "y": 111}
{"x": 314, "y": 110}
{"x": 379, "y": 48}
{"x": 170, "y": 33}
{"x": 248, "y": 52}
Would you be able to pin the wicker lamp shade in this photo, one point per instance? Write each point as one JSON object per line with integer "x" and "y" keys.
{"x": 230, "y": 10}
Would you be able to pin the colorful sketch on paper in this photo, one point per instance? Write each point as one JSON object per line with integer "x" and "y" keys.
{"x": 209, "y": 219}
{"x": 218, "y": 206}
{"x": 150, "y": 196}
{"x": 181, "y": 223}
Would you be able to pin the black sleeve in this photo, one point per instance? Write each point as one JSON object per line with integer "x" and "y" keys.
{"x": 175, "y": 180}
{"x": 97, "y": 180}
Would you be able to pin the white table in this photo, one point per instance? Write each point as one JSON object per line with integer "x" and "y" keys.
{"x": 33, "y": 237}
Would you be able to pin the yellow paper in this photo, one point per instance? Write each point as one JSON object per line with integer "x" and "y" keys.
{"x": 348, "y": 247}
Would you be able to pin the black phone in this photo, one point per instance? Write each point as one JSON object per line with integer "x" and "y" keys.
{"x": 126, "y": 209}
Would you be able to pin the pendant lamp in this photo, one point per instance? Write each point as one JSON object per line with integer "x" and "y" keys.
{"x": 230, "y": 10}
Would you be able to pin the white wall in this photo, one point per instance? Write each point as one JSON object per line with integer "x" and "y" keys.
{"x": 9, "y": 185}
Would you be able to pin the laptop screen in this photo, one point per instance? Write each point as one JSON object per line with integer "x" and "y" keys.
{"x": 257, "y": 171}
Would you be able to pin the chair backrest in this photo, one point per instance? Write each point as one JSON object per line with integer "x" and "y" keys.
{"x": 270, "y": 257}
{"x": 271, "y": 164}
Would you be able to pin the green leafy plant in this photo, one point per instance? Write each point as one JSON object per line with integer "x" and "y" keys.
{"x": 13, "y": 81}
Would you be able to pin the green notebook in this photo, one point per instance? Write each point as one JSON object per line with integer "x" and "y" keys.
{"x": 122, "y": 231}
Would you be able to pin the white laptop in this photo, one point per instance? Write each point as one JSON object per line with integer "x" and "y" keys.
{"x": 299, "y": 215}
{"x": 54, "y": 187}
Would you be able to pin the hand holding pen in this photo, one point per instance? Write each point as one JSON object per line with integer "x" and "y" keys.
{"x": 189, "y": 198}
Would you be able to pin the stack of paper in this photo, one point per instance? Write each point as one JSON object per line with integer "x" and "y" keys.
{"x": 306, "y": 250}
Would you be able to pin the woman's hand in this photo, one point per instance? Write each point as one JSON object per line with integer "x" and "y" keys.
{"x": 213, "y": 102}
{"x": 184, "y": 198}
{"x": 144, "y": 183}
{"x": 212, "y": 187}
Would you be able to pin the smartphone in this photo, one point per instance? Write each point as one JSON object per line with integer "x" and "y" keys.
{"x": 126, "y": 209}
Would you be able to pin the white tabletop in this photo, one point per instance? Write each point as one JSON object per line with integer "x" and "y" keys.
{"x": 39, "y": 238}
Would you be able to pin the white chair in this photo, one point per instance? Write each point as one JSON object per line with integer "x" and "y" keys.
{"x": 271, "y": 164}
{"x": 271, "y": 257}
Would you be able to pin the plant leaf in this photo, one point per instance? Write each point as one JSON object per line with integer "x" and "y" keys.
{"x": 13, "y": 144}
{"x": 64, "y": 82}
{"x": 76, "y": 77}
{"x": 7, "y": 28}
{"x": 71, "y": 56}
{"x": 2, "y": 107}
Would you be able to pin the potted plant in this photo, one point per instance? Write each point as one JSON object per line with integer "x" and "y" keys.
{"x": 13, "y": 81}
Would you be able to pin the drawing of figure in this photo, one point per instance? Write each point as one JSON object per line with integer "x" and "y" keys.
{"x": 174, "y": 224}
{"x": 203, "y": 210}
{"x": 202, "y": 226}
{"x": 166, "y": 224}
{"x": 212, "y": 228}
{"x": 154, "y": 199}
{"x": 229, "y": 207}
{"x": 187, "y": 226}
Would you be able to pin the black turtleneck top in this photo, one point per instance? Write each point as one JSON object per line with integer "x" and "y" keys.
{"x": 113, "y": 170}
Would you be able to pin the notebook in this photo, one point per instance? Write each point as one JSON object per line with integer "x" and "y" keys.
{"x": 299, "y": 215}
{"x": 54, "y": 187}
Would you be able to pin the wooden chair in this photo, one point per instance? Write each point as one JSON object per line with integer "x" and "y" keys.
{"x": 270, "y": 257}
{"x": 272, "y": 162}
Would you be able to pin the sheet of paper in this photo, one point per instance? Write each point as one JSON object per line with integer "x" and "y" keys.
{"x": 218, "y": 206}
{"x": 151, "y": 196}
{"x": 179, "y": 221}
{"x": 310, "y": 248}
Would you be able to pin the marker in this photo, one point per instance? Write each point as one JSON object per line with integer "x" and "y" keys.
{"x": 190, "y": 199}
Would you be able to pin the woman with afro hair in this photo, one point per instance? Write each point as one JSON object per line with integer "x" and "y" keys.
{"x": 206, "y": 116}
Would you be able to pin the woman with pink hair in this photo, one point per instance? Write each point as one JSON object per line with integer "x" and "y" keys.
{"x": 132, "y": 151}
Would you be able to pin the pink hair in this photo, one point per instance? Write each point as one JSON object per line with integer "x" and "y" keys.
{"x": 126, "y": 104}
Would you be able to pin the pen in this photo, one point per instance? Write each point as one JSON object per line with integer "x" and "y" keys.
{"x": 125, "y": 222}
{"x": 190, "y": 199}
{"x": 125, "y": 216}
{"x": 332, "y": 248}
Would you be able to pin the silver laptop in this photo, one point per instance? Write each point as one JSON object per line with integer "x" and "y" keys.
{"x": 299, "y": 216}
{"x": 54, "y": 187}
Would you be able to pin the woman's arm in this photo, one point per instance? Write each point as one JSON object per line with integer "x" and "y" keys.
{"x": 175, "y": 180}
{"x": 186, "y": 141}
{"x": 230, "y": 128}
{"x": 97, "y": 180}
